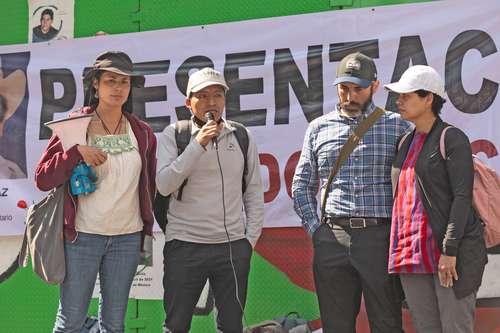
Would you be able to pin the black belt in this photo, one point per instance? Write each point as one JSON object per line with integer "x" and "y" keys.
{"x": 355, "y": 222}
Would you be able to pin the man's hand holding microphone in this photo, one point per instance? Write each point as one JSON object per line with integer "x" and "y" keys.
{"x": 209, "y": 131}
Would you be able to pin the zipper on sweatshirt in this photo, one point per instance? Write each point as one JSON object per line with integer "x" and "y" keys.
{"x": 146, "y": 170}
{"x": 146, "y": 163}
{"x": 148, "y": 180}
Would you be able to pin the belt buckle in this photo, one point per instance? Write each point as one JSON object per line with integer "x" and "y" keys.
{"x": 329, "y": 222}
{"x": 357, "y": 222}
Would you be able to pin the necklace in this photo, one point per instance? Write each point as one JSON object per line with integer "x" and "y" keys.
{"x": 118, "y": 126}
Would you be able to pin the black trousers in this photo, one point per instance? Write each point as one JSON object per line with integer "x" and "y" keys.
{"x": 187, "y": 266}
{"x": 349, "y": 263}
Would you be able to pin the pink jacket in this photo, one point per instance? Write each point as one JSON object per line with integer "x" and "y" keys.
{"x": 55, "y": 168}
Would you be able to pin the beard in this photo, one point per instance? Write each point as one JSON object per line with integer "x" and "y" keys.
{"x": 353, "y": 107}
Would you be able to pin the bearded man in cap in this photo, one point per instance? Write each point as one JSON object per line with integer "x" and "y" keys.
{"x": 210, "y": 183}
{"x": 351, "y": 241}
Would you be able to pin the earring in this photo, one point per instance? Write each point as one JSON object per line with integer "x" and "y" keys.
{"x": 96, "y": 95}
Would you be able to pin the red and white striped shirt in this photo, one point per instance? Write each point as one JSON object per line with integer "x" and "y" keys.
{"x": 412, "y": 246}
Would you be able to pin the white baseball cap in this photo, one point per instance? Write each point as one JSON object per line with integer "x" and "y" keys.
{"x": 204, "y": 78}
{"x": 418, "y": 77}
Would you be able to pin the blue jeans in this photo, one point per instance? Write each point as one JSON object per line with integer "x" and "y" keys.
{"x": 115, "y": 258}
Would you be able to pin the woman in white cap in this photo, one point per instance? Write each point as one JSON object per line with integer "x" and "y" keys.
{"x": 103, "y": 229}
{"x": 436, "y": 243}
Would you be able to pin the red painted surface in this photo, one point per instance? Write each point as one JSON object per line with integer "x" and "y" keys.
{"x": 484, "y": 146}
{"x": 272, "y": 165}
{"x": 290, "y": 251}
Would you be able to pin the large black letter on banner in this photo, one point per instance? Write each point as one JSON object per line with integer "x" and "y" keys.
{"x": 141, "y": 96}
{"x": 286, "y": 73}
{"x": 182, "y": 78}
{"x": 51, "y": 105}
{"x": 410, "y": 51}
{"x": 465, "y": 41}
{"x": 240, "y": 87}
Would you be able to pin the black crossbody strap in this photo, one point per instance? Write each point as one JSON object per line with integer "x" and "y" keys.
{"x": 242, "y": 137}
{"x": 348, "y": 148}
{"x": 182, "y": 138}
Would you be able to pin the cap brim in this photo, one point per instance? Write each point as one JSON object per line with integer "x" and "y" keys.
{"x": 137, "y": 79}
{"x": 351, "y": 79}
{"x": 400, "y": 87}
{"x": 404, "y": 88}
{"x": 117, "y": 71}
{"x": 208, "y": 83}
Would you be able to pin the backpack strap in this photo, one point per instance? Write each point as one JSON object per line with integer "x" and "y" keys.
{"x": 182, "y": 138}
{"x": 403, "y": 138}
{"x": 442, "y": 147}
{"x": 161, "y": 202}
{"x": 241, "y": 135}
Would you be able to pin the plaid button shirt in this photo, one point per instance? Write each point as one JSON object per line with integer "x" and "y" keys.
{"x": 363, "y": 185}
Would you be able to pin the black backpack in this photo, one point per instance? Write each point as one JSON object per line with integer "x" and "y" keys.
{"x": 182, "y": 139}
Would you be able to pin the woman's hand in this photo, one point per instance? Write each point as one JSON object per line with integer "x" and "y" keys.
{"x": 447, "y": 272}
{"x": 92, "y": 156}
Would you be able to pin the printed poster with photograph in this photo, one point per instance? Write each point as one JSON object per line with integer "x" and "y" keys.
{"x": 50, "y": 20}
{"x": 13, "y": 114}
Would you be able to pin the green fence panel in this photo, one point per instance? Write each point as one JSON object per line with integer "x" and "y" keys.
{"x": 14, "y": 22}
{"x": 121, "y": 16}
{"x": 27, "y": 305}
{"x": 158, "y": 14}
{"x": 111, "y": 16}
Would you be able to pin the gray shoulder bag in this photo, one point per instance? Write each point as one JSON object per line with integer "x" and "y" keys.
{"x": 43, "y": 237}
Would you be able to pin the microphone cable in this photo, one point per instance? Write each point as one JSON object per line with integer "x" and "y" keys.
{"x": 229, "y": 238}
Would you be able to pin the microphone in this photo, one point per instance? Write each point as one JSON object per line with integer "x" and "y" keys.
{"x": 210, "y": 116}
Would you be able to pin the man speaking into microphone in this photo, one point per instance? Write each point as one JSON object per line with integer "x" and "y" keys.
{"x": 211, "y": 181}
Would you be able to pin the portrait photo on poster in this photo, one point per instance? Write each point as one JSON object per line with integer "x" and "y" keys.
{"x": 50, "y": 20}
{"x": 13, "y": 113}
